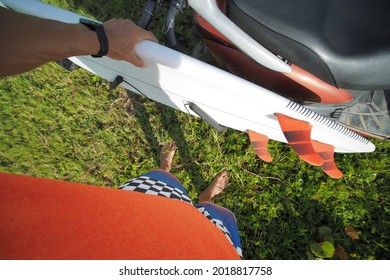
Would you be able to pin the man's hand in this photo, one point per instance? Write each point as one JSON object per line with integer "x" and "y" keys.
{"x": 31, "y": 41}
{"x": 123, "y": 36}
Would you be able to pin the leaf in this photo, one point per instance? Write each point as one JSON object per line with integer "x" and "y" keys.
{"x": 310, "y": 256}
{"x": 316, "y": 250}
{"x": 329, "y": 239}
{"x": 341, "y": 253}
{"x": 328, "y": 249}
{"x": 351, "y": 232}
{"x": 322, "y": 250}
{"x": 324, "y": 231}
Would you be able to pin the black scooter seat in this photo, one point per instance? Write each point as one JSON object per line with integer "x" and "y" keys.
{"x": 343, "y": 42}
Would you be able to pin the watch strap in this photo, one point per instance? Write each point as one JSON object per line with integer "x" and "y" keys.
{"x": 99, "y": 29}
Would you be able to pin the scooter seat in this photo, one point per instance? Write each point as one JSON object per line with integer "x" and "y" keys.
{"x": 343, "y": 42}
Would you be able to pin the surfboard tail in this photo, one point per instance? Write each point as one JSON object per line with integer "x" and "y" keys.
{"x": 259, "y": 144}
{"x": 316, "y": 153}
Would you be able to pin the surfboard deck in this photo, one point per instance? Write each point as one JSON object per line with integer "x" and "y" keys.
{"x": 178, "y": 80}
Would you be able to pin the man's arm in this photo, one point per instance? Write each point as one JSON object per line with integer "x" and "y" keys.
{"x": 28, "y": 42}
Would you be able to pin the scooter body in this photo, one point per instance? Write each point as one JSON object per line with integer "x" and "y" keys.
{"x": 337, "y": 67}
{"x": 299, "y": 84}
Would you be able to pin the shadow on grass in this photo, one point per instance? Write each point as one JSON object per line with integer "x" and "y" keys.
{"x": 170, "y": 123}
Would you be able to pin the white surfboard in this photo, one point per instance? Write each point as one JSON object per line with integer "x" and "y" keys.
{"x": 189, "y": 85}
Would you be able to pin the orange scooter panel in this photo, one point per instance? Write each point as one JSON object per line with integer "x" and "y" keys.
{"x": 326, "y": 92}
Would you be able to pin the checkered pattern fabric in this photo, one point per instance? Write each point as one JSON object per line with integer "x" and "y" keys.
{"x": 151, "y": 186}
{"x": 220, "y": 225}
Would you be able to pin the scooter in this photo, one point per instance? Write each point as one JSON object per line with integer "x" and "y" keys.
{"x": 331, "y": 56}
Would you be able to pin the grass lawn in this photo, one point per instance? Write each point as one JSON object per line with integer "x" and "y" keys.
{"x": 69, "y": 126}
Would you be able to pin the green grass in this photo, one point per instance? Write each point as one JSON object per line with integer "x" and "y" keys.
{"x": 69, "y": 126}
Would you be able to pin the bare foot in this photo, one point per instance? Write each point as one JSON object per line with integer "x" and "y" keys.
{"x": 167, "y": 153}
{"x": 218, "y": 184}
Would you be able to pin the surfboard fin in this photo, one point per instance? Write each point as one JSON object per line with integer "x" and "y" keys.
{"x": 327, "y": 153}
{"x": 259, "y": 144}
{"x": 116, "y": 82}
{"x": 297, "y": 133}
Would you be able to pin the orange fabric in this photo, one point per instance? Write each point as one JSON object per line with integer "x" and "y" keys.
{"x": 49, "y": 219}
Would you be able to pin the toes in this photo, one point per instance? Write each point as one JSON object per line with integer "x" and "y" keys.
{"x": 172, "y": 145}
{"x": 224, "y": 177}
{"x": 169, "y": 148}
{"x": 167, "y": 153}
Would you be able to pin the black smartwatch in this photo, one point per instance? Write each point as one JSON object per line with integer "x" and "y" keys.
{"x": 98, "y": 28}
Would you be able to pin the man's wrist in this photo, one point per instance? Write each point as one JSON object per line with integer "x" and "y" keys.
{"x": 101, "y": 34}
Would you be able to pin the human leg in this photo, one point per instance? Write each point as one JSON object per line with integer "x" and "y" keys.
{"x": 159, "y": 181}
{"x": 223, "y": 218}
{"x": 166, "y": 157}
{"x": 218, "y": 184}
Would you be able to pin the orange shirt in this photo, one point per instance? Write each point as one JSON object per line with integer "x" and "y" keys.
{"x": 50, "y": 219}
